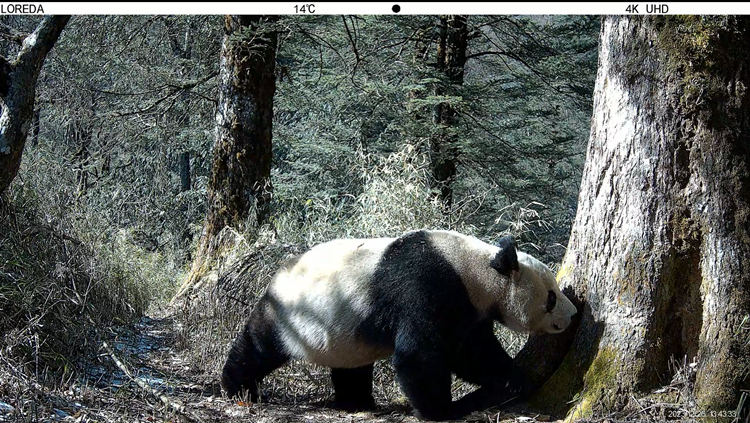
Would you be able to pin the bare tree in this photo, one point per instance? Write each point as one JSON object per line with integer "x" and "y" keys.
{"x": 659, "y": 254}
{"x": 18, "y": 90}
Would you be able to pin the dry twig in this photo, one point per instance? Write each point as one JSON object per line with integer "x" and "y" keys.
{"x": 174, "y": 405}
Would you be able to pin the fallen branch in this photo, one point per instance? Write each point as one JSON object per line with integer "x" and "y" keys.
{"x": 146, "y": 387}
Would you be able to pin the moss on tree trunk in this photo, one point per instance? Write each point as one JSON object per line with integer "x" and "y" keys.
{"x": 659, "y": 254}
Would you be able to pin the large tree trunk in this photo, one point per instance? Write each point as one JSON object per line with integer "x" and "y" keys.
{"x": 240, "y": 184}
{"x": 659, "y": 254}
{"x": 18, "y": 90}
{"x": 451, "y": 58}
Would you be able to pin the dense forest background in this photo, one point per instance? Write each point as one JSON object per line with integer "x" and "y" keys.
{"x": 155, "y": 171}
{"x": 103, "y": 220}
{"x": 126, "y": 105}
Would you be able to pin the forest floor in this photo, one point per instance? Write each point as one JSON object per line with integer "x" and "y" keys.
{"x": 154, "y": 382}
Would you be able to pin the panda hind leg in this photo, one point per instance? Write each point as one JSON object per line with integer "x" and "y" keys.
{"x": 255, "y": 353}
{"x": 353, "y": 388}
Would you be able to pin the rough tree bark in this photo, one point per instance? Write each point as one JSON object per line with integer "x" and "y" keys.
{"x": 659, "y": 254}
{"x": 17, "y": 93}
{"x": 240, "y": 185}
{"x": 451, "y": 58}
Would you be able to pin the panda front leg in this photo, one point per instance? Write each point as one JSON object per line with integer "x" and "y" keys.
{"x": 425, "y": 379}
{"x": 256, "y": 352}
{"x": 353, "y": 388}
{"x": 483, "y": 361}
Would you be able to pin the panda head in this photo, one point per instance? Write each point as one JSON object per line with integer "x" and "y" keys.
{"x": 533, "y": 301}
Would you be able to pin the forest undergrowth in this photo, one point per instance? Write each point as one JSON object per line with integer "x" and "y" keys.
{"x": 103, "y": 220}
{"x": 72, "y": 286}
{"x": 89, "y": 333}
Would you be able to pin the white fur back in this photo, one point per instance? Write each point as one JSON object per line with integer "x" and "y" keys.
{"x": 323, "y": 298}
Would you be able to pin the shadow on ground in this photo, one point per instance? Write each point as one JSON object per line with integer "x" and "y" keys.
{"x": 179, "y": 392}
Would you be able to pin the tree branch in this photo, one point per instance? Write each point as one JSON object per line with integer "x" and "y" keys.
{"x": 12, "y": 34}
{"x": 488, "y": 53}
{"x": 353, "y": 43}
{"x": 37, "y": 44}
{"x": 174, "y": 90}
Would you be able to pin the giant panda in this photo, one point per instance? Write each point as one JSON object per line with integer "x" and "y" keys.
{"x": 427, "y": 298}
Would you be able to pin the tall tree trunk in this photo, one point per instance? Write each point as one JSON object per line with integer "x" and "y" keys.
{"x": 18, "y": 90}
{"x": 659, "y": 254}
{"x": 182, "y": 48}
{"x": 185, "y": 171}
{"x": 451, "y": 58}
{"x": 417, "y": 132}
{"x": 422, "y": 40}
{"x": 79, "y": 135}
{"x": 240, "y": 184}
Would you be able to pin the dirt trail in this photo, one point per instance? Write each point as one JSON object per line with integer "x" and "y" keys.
{"x": 146, "y": 350}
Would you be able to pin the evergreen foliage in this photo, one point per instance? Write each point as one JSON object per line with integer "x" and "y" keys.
{"x": 123, "y": 101}
{"x": 119, "y": 102}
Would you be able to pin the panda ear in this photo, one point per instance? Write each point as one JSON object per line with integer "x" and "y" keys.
{"x": 506, "y": 260}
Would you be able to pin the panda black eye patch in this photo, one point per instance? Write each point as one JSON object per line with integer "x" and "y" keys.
{"x": 551, "y": 300}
